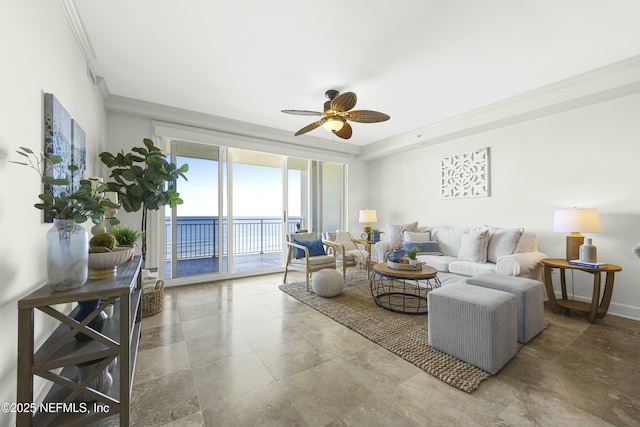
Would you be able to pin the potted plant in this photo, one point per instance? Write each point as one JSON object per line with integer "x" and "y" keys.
{"x": 374, "y": 236}
{"x": 67, "y": 242}
{"x": 412, "y": 253}
{"x": 144, "y": 180}
{"x": 125, "y": 236}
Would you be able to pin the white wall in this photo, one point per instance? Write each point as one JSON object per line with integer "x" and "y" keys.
{"x": 585, "y": 157}
{"x": 39, "y": 55}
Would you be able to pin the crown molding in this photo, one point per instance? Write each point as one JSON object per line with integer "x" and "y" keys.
{"x": 603, "y": 84}
{"x": 224, "y": 126}
{"x": 77, "y": 28}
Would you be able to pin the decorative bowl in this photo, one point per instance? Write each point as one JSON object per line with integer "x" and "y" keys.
{"x": 103, "y": 265}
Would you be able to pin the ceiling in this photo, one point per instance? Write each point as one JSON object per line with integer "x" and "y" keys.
{"x": 420, "y": 61}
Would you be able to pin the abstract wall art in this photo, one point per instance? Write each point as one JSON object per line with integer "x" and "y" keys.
{"x": 65, "y": 138}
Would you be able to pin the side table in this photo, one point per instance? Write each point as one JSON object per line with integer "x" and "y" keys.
{"x": 597, "y": 308}
{"x": 367, "y": 244}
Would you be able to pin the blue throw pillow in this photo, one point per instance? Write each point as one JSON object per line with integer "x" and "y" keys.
{"x": 315, "y": 248}
{"x": 430, "y": 248}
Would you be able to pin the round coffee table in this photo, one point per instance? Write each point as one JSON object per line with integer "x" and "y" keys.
{"x": 403, "y": 291}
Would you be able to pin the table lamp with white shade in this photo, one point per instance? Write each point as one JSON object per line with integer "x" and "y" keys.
{"x": 576, "y": 221}
{"x": 367, "y": 216}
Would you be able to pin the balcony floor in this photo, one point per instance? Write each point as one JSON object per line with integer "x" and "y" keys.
{"x": 242, "y": 263}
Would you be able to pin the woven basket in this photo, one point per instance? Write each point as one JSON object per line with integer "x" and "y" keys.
{"x": 153, "y": 300}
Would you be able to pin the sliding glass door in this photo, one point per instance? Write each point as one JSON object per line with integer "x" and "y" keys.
{"x": 195, "y": 231}
{"x": 256, "y": 211}
{"x": 239, "y": 205}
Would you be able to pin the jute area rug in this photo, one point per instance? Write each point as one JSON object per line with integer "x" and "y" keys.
{"x": 402, "y": 334}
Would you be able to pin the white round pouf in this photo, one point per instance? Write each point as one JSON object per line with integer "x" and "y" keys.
{"x": 327, "y": 283}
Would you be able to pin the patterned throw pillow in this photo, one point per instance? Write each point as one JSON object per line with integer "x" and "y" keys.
{"x": 395, "y": 233}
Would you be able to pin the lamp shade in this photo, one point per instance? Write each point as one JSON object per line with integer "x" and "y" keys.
{"x": 333, "y": 124}
{"x": 576, "y": 220}
{"x": 368, "y": 215}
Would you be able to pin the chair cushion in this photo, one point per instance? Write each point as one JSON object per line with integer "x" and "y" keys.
{"x": 316, "y": 261}
{"x": 315, "y": 247}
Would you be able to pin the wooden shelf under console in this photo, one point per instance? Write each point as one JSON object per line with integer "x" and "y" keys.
{"x": 54, "y": 360}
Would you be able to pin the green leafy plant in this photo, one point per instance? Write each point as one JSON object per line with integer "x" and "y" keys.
{"x": 144, "y": 180}
{"x": 125, "y": 235}
{"x": 86, "y": 202}
{"x": 412, "y": 253}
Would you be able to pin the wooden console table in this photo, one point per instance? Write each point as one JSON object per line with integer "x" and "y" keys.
{"x": 597, "y": 308}
{"x": 119, "y": 339}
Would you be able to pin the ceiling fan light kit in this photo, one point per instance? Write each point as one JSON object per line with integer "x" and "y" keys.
{"x": 333, "y": 124}
{"x": 336, "y": 113}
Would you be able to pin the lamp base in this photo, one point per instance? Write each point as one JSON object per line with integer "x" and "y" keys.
{"x": 367, "y": 228}
{"x": 574, "y": 241}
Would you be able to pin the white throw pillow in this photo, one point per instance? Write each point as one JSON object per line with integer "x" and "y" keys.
{"x": 345, "y": 239}
{"x": 502, "y": 241}
{"x": 473, "y": 246}
{"x": 416, "y": 237}
{"x": 394, "y": 233}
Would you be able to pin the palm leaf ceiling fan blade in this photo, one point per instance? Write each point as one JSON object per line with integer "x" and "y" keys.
{"x": 302, "y": 112}
{"x": 308, "y": 128}
{"x": 367, "y": 116}
{"x": 344, "y": 102}
{"x": 345, "y": 132}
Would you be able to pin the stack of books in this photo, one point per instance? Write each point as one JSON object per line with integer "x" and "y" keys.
{"x": 588, "y": 264}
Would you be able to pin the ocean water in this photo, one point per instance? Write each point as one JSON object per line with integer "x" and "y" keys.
{"x": 198, "y": 236}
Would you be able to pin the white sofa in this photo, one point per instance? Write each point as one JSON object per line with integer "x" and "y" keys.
{"x": 469, "y": 251}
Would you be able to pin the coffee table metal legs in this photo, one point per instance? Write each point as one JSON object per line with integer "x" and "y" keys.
{"x": 405, "y": 296}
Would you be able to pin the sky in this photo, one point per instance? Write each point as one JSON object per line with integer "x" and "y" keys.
{"x": 257, "y": 190}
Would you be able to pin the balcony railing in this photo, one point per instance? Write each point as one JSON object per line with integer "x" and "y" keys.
{"x": 198, "y": 237}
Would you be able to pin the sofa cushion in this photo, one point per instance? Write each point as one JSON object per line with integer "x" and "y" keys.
{"x": 502, "y": 241}
{"x": 395, "y": 233}
{"x": 448, "y": 239}
{"x": 439, "y": 262}
{"x": 473, "y": 246}
{"x": 468, "y": 268}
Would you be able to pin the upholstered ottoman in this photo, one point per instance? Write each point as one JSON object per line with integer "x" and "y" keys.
{"x": 327, "y": 283}
{"x": 530, "y": 294}
{"x": 474, "y": 324}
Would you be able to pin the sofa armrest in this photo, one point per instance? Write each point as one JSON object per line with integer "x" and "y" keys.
{"x": 381, "y": 248}
{"x": 525, "y": 264}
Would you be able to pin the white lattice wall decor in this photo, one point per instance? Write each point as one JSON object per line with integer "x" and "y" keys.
{"x": 465, "y": 175}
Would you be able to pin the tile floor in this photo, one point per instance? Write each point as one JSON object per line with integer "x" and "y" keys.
{"x": 243, "y": 353}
